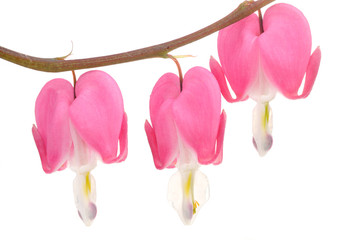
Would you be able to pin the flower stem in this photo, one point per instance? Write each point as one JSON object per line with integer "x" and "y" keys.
{"x": 161, "y": 50}
{"x": 179, "y": 70}
{"x": 260, "y": 21}
{"x": 74, "y": 83}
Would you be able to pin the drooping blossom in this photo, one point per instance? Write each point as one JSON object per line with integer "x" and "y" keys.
{"x": 80, "y": 131}
{"x": 258, "y": 64}
{"x": 187, "y": 130}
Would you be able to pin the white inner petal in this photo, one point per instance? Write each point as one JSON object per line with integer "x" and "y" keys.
{"x": 262, "y": 125}
{"x": 84, "y": 190}
{"x": 188, "y": 188}
{"x": 188, "y": 191}
{"x": 84, "y": 157}
{"x": 262, "y": 90}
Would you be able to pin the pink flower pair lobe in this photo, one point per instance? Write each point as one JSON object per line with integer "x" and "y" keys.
{"x": 278, "y": 58}
{"x": 190, "y": 118}
{"x": 96, "y": 115}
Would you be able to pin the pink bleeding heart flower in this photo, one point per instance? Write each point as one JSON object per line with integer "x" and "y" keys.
{"x": 79, "y": 131}
{"x": 257, "y": 65}
{"x": 187, "y": 130}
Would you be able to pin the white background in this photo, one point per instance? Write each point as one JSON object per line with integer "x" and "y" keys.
{"x": 300, "y": 190}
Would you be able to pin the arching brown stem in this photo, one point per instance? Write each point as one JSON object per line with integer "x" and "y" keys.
{"x": 161, "y": 50}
